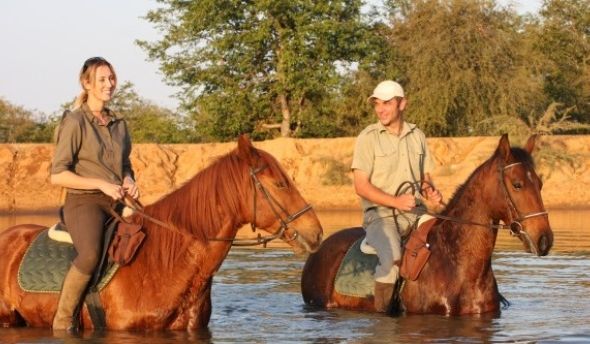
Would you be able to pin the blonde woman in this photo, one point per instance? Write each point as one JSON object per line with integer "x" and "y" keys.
{"x": 92, "y": 163}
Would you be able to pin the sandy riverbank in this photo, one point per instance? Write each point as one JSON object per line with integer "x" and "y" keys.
{"x": 319, "y": 168}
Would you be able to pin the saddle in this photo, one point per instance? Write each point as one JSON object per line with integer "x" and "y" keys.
{"x": 125, "y": 242}
{"x": 355, "y": 274}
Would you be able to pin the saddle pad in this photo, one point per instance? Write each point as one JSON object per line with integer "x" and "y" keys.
{"x": 46, "y": 263}
{"x": 355, "y": 275}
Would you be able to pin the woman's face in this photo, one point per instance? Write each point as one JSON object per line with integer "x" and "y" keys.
{"x": 104, "y": 84}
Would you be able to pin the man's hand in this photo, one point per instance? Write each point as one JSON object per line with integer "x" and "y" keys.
{"x": 432, "y": 198}
{"x": 405, "y": 202}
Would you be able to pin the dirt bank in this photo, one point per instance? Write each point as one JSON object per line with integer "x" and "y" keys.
{"x": 319, "y": 168}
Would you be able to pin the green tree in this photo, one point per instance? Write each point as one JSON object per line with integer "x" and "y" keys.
{"x": 17, "y": 124}
{"x": 243, "y": 66}
{"x": 564, "y": 39}
{"x": 462, "y": 62}
{"x": 148, "y": 122}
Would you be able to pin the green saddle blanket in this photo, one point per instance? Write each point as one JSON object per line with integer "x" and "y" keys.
{"x": 46, "y": 263}
{"x": 355, "y": 275}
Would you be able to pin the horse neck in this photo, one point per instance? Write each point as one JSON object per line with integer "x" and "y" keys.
{"x": 211, "y": 205}
{"x": 472, "y": 203}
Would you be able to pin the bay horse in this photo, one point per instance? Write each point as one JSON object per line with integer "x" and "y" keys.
{"x": 458, "y": 278}
{"x": 168, "y": 284}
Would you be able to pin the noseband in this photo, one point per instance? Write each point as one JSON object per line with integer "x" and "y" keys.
{"x": 277, "y": 210}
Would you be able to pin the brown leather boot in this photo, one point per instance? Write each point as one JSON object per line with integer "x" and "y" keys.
{"x": 74, "y": 285}
{"x": 383, "y": 294}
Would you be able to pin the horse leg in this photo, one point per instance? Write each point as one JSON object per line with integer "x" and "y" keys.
{"x": 197, "y": 314}
{"x": 9, "y": 317}
{"x": 200, "y": 312}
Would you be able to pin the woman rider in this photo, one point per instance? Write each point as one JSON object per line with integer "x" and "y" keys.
{"x": 92, "y": 162}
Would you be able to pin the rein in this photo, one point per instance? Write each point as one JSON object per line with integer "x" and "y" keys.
{"x": 274, "y": 204}
{"x": 515, "y": 225}
{"x": 137, "y": 207}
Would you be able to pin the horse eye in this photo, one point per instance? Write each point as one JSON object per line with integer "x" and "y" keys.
{"x": 517, "y": 184}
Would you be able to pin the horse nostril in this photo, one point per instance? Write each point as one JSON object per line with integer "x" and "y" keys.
{"x": 544, "y": 245}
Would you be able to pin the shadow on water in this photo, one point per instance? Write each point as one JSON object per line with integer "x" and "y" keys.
{"x": 256, "y": 299}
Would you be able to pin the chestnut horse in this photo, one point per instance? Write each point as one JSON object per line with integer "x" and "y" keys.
{"x": 168, "y": 284}
{"x": 458, "y": 278}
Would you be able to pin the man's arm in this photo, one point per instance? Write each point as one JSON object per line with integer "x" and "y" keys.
{"x": 368, "y": 191}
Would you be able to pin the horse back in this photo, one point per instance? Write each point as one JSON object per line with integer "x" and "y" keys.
{"x": 319, "y": 272}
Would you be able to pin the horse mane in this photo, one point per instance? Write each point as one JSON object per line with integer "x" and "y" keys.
{"x": 217, "y": 193}
{"x": 518, "y": 155}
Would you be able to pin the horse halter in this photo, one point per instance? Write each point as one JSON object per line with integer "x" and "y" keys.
{"x": 515, "y": 225}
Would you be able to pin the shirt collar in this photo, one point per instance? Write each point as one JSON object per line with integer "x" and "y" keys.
{"x": 93, "y": 119}
{"x": 406, "y": 128}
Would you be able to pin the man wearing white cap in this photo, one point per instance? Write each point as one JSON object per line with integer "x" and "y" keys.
{"x": 387, "y": 154}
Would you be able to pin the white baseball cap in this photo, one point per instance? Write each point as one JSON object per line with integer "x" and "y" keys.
{"x": 386, "y": 90}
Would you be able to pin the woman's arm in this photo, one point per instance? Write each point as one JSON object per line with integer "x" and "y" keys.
{"x": 71, "y": 180}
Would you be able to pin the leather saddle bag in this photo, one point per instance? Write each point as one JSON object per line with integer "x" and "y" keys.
{"x": 126, "y": 241}
{"x": 417, "y": 252}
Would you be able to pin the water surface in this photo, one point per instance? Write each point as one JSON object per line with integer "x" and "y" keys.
{"x": 256, "y": 299}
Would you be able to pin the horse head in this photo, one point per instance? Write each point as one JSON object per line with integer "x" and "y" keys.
{"x": 276, "y": 205}
{"x": 519, "y": 191}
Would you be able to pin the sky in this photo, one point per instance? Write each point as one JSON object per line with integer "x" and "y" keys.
{"x": 44, "y": 43}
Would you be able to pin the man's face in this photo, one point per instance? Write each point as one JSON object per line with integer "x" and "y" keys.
{"x": 389, "y": 111}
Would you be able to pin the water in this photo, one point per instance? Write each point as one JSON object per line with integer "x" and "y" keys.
{"x": 256, "y": 299}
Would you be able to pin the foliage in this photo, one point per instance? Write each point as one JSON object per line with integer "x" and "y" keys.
{"x": 19, "y": 125}
{"x": 564, "y": 39}
{"x": 553, "y": 121}
{"x": 245, "y": 65}
{"x": 337, "y": 172}
{"x": 148, "y": 122}
{"x": 462, "y": 61}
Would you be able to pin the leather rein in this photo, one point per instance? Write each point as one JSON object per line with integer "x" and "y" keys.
{"x": 515, "y": 225}
{"x": 277, "y": 210}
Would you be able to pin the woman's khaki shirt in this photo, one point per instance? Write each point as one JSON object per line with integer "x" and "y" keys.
{"x": 92, "y": 150}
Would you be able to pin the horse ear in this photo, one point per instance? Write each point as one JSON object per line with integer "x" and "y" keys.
{"x": 246, "y": 150}
{"x": 503, "y": 150}
{"x": 530, "y": 143}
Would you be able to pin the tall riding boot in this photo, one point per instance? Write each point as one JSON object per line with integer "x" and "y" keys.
{"x": 383, "y": 294}
{"x": 74, "y": 285}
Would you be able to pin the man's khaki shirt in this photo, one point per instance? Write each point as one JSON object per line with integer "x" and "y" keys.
{"x": 390, "y": 160}
{"x": 92, "y": 150}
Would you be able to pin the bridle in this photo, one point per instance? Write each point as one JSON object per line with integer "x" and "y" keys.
{"x": 515, "y": 226}
{"x": 275, "y": 206}
{"x": 281, "y": 214}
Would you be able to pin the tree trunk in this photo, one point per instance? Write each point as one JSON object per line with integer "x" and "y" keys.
{"x": 286, "y": 112}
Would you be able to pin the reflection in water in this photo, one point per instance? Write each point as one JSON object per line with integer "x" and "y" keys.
{"x": 256, "y": 298}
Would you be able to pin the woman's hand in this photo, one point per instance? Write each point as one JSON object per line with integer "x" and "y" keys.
{"x": 114, "y": 191}
{"x": 130, "y": 187}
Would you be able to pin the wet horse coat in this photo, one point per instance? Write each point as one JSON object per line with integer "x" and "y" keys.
{"x": 458, "y": 278}
{"x": 168, "y": 284}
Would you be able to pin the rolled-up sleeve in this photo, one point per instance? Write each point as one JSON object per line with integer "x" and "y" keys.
{"x": 68, "y": 144}
{"x": 363, "y": 156}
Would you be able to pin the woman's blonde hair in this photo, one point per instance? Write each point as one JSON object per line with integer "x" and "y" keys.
{"x": 88, "y": 73}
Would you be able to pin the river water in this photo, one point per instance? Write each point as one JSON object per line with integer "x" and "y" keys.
{"x": 256, "y": 299}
